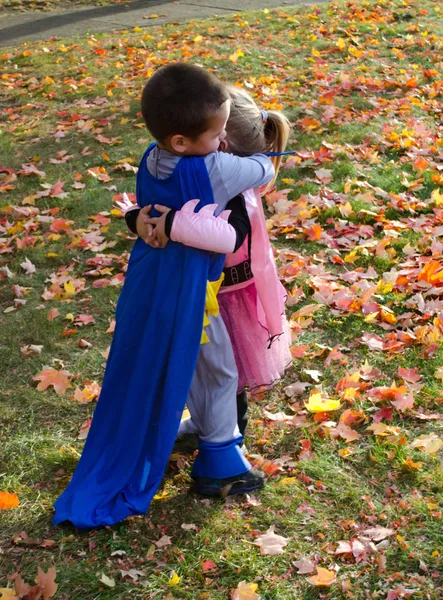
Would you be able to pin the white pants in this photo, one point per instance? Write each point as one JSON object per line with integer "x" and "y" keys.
{"x": 212, "y": 399}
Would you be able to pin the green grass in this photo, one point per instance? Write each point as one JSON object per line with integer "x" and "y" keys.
{"x": 86, "y": 87}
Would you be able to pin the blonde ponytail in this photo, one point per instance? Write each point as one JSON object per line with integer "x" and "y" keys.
{"x": 251, "y": 131}
{"x": 277, "y": 130}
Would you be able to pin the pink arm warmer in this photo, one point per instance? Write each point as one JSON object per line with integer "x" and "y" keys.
{"x": 202, "y": 229}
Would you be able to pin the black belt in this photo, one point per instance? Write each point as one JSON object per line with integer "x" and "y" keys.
{"x": 237, "y": 274}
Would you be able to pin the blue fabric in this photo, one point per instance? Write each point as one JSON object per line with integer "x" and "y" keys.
{"x": 159, "y": 321}
{"x": 219, "y": 461}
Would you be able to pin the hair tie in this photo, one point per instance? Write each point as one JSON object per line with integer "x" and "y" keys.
{"x": 264, "y": 116}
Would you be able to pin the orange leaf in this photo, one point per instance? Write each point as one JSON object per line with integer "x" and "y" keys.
{"x": 8, "y": 501}
{"x": 323, "y": 577}
{"x": 58, "y": 379}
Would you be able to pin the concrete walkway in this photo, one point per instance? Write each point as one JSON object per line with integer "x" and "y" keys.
{"x": 16, "y": 28}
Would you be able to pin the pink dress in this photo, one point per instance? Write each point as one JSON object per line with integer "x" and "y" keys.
{"x": 254, "y": 310}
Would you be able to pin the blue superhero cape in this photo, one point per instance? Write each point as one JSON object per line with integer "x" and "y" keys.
{"x": 159, "y": 320}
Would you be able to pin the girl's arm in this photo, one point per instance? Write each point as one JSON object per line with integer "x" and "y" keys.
{"x": 223, "y": 234}
{"x": 230, "y": 175}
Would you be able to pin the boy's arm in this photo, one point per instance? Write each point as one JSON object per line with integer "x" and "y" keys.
{"x": 223, "y": 234}
{"x": 230, "y": 175}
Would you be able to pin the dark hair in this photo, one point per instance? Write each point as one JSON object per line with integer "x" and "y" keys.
{"x": 180, "y": 99}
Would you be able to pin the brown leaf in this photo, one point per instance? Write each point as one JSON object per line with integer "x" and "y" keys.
{"x": 46, "y": 581}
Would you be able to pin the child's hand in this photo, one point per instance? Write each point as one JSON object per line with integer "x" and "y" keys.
{"x": 159, "y": 239}
{"x": 144, "y": 230}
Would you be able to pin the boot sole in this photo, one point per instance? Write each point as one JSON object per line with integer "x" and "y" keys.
{"x": 223, "y": 492}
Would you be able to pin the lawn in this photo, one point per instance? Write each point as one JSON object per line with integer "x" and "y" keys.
{"x": 357, "y": 223}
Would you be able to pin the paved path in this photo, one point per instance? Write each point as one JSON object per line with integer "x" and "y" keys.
{"x": 16, "y": 28}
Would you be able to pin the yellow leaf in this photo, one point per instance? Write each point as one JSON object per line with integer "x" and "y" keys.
{"x": 175, "y": 579}
{"x": 315, "y": 53}
{"x": 384, "y": 288}
{"x": 437, "y": 197}
{"x": 351, "y": 257}
{"x": 6, "y": 593}
{"x": 341, "y": 44}
{"x": 69, "y": 317}
{"x": 197, "y": 39}
{"x": 137, "y": 29}
{"x": 48, "y": 79}
{"x": 317, "y": 403}
{"x": 69, "y": 289}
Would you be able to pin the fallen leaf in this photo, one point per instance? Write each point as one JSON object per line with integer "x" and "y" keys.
{"x": 28, "y": 266}
{"x": 317, "y": 403}
{"x": 378, "y": 533}
{"x": 271, "y": 543}
{"x": 430, "y": 443}
{"x": 46, "y": 582}
{"x": 58, "y": 379}
{"x": 108, "y": 581}
{"x": 304, "y": 566}
{"x": 245, "y": 591}
{"x": 8, "y": 501}
{"x": 323, "y": 577}
{"x": 163, "y": 541}
{"x": 208, "y": 565}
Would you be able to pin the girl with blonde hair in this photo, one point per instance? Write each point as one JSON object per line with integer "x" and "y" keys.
{"x": 251, "y": 299}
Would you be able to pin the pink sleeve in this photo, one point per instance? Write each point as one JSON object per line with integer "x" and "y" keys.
{"x": 202, "y": 229}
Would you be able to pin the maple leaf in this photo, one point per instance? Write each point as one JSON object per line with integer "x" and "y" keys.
{"x": 245, "y": 591}
{"x": 21, "y": 588}
{"x": 58, "y": 379}
{"x": 304, "y": 566}
{"x": 28, "y": 267}
{"x": 8, "y": 501}
{"x": 347, "y": 433}
{"x": 46, "y": 582}
{"x": 410, "y": 375}
{"x": 108, "y": 581}
{"x": 324, "y": 175}
{"x": 88, "y": 394}
{"x": 84, "y": 319}
{"x": 271, "y": 543}
{"x": 399, "y": 592}
{"x": 378, "y": 533}
{"x": 323, "y": 577}
{"x": 404, "y": 402}
{"x": 430, "y": 443}
{"x": 31, "y": 349}
{"x": 208, "y": 565}
{"x": 317, "y": 403}
{"x": 163, "y": 541}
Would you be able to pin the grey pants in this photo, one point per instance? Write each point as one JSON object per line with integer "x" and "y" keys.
{"x": 212, "y": 400}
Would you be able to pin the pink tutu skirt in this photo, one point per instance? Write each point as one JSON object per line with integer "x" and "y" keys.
{"x": 258, "y": 365}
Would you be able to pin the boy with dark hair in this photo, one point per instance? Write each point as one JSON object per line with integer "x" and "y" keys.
{"x": 163, "y": 305}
